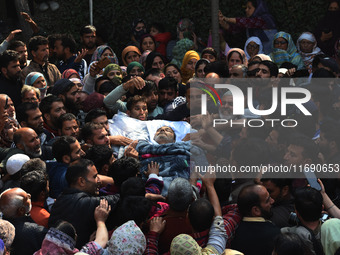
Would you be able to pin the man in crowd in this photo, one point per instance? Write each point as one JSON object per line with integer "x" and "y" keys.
{"x": 21, "y": 48}
{"x": 10, "y": 83}
{"x": 88, "y": 40}
{"x": 38, "y": 47}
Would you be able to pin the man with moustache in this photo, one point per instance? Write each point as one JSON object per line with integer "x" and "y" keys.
{"x": 21, "y": 48}
{"x": 10, "y": 83}
{"x": 77, "y": 203}
{"x": 38, "y": 46}
{"x": 88, "y": 40}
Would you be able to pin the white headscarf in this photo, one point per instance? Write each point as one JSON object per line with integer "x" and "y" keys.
{"x": 308, "y": 57}
{"x": 256, "y": 40}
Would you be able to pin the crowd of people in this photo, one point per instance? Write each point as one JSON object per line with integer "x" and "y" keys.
{"x": 106, "y": 155}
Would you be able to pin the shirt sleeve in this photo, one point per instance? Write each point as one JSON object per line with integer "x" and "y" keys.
{"x": 254, "y": 22}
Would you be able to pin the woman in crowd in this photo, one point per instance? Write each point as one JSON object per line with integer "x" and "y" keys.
{"x": 70, "y": 73}
{"x": 328, "y": 29}
{"x": 102, "y": 52}
{"x": 284, "y": 50}
{"x": 135, "y": 69}
{"x": 113, "y": 71}
{"x": 188, "y": 65}
{"x": 37, "y": 80}
{"x": 199, "y": 68}
{"x": 172, "y": 70}
{"x": 258, "y": 22}
{"x": 130, "y": 54}
{"x": 307, "y": 48}
{"x": 147, "y": 42}
{"x": 154, "y": 60}
{"x": 253, "y": 46}
{"x": 236, "y": 56}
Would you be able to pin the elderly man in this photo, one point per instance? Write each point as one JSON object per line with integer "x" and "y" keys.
{"x": 15, "y": 204}
{"x": 173, "y": 157}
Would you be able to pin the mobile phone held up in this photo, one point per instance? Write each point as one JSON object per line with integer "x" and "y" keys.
{"x": 312, "y": 180}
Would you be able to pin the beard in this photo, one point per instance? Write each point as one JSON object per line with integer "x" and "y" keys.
{"x": 225, "y": 116}
{"x": 266, "y": 214}
{"x": 33, "y": 153}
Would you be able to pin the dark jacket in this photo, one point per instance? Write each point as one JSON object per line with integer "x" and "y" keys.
{"x": 56, "y": 173}
{"x": 11, "y": 88}
{"x": 77, "y": 208}
{"x": 28, "y": 236}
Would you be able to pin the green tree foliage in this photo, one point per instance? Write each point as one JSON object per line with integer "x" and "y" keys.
{"x": 292, "y": 16}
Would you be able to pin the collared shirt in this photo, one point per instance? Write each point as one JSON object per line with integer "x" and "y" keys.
{"x": 50, "y": 72}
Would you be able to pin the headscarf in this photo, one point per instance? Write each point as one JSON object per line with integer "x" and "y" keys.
{"x": 330, "y": 236}
{"x": 243, "y": 55}
{"x": 186, "y": 245}
{"x": 7, "y": 232}
{"x": 151, "y": 57}
{"x": 179, "y": 50}
{"x": 280, "y": 56}
{"x": 132, "y": 65}
{"x": 262, "y": 11}
{"x": 57, "y": 242}
{"x": 111, "y": 67}
{"x": 99, "y": 52}
{"x": 31, "y": 78}
{"x": 187, "y": 74}
{"x": 93, "y": 101}
{"x": 263, "y": 57}
{"x": 68, "y": 73}
{"x": 138, "y": 34}
{"x": 128, "y": 49}
{"x": 308, "y": 57}
{"x": 256, "y": 40}
{"x": 127, "y": 239}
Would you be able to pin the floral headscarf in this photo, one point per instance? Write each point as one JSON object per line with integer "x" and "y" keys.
{"x": 187, "y": 74}
{"x": 127, "y": 239}
{"x": 280, "y": 56}
{"x": 256, "y": 40}
{"x": 111, "y": 67}
{"x": 99, "y": 52}
{"x": 186, "y": 245}
{"x": 179, "y": 50}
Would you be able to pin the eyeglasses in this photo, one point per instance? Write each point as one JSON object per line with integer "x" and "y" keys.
{"x": 280, "y": 42}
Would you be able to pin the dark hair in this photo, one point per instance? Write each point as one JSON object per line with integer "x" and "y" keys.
{"x": 34, "y": 164}
{"x": 22, "y": 110}
{"x": 331, "y": 130}
{"x": 77, "y": 169}
{"x": 173, "y": 65}
{"x": 134, "y": 186}
{"x": 146, "y": 36}
{"x": 159, "y": 26}
{"x": 87, "y": 130}
{"x": 273, "y": 69}
{"x": 67, "y": 41}
{"x": 232, "y": 52}
{"x": 323, "y": 73}
{"x": 289, "y": 243}
{"x": 100, "y": 155}
{"x": 146, "y": 91}
{"x": 251, "y": 152}
{"x": 150, "y": 58}
{"x": 247, "y": 199}
{"x": 201, "y": 214}
{"x": 67, "y": 228}
{"x": 62, "y": 146}
{"x": 219, "y": 67}
{"x": 279, "y": 182}
{"x": 52, "y": 39}
{"x": 8, "y": 56}
{"x": 93, "y": 114}
{"x": 134, "y": 208}
{"x": 65, "y": 117}
{"x": 168, "y": 83}
{"x": 201, "y": 62}
{"x": 153, "y": 72}
{"x": 101, "y": 78}
{"x": 284, "y": 134}
{"x": 36, "y": 41}
{"x": 107, "y": 87}
{"x": 310, "y": 149}
{"x": 123, "y": 168}
{"x": 132, "y": 101}
{"x": 34, "y": 183}
{"x": 308, "y": 203}
{"x": 14, "y": 44}
{"x": 87, "y": 30}
{"x": 223, "y": 189}
{"x": 45, "y": 105}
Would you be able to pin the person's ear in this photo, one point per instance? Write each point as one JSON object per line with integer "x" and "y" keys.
{"x": 33, "y": 53}
{"x": 285, "y": 191}
{"x": 128, "y": 112}
{"x": 47, "y": 116}
{"x": 105, "y": 169}
{"x": 66, "y": 159}
{"x": 20, "y": 146}
{"x": 21, "y": 211}
{"x": 81, "y": 181}
{"x": 256, "y": 211}
{"x": 23, "y": 124}
{"x": 4, "y": 70}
